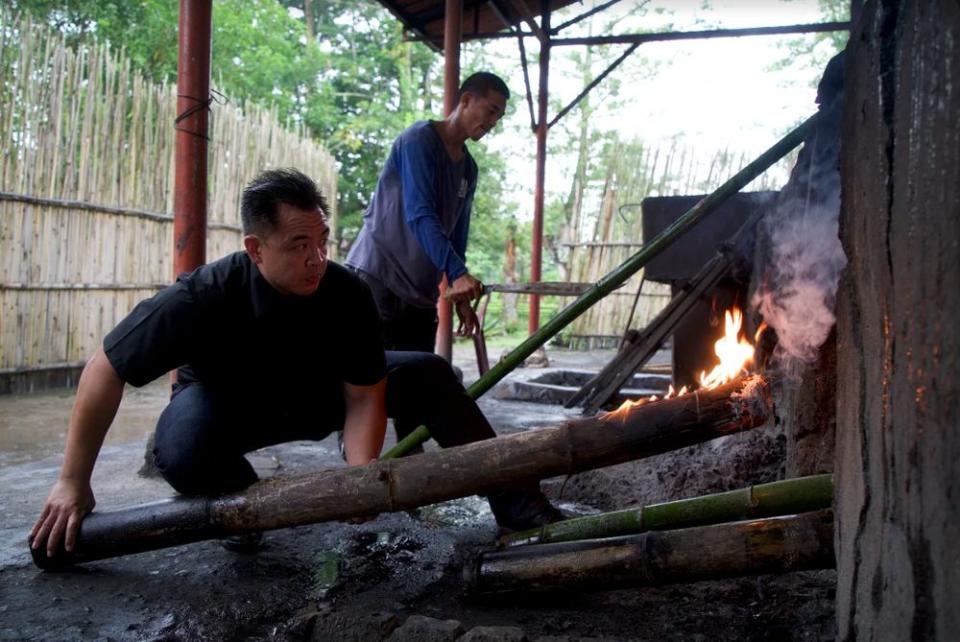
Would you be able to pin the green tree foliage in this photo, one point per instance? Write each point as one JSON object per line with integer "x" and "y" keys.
{"x": 813, "y": 51}
{"x": 372, "y": 86}
{"x": 146, "y": 30}
{"x": 356, "y": 85}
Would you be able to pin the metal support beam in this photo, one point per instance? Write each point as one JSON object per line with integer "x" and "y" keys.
{"x": 640, "y": 38}
{"x": 583, "y": 16}
{"x": 536, "y": 255}
{"x": 593, "y": 83}
{"x": 452, "y": 26}
{"x": 191, "y": 124}
{"x": 541, "y": 30}
{"x": 526, "y": 83}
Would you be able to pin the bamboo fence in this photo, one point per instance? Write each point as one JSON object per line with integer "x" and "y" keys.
{"x": 603, "y": 240}
{"x": 86, "y": 190}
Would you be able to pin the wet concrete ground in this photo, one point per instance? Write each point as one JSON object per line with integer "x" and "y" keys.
{"x": 357, "y": 582}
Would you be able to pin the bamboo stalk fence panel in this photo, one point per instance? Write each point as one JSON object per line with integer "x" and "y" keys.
{"x": 86, "y": 189}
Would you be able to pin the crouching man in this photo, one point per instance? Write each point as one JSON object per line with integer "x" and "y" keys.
{"x": 272, "y": 344}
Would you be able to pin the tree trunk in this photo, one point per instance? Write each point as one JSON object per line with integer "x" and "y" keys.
{"x": 310, "y": 19}
{"x": 399, "y": 484}
{"x": 775, "y": 545}
{"x": 898, "y": 409}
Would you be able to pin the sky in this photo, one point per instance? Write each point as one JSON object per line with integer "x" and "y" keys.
{"x": 707, "y": 94}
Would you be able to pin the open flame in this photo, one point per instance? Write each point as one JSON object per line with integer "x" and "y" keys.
{"x": 734, "y": 352}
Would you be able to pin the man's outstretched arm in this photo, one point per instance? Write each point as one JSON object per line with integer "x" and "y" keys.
{"x": 365, "y": 423}
{"x": 71, "y": 498}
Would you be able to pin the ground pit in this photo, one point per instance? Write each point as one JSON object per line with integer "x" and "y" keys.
{"x": 396, "y": 577}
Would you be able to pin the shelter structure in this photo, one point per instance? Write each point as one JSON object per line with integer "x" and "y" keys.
{"x": 445, "y": 24}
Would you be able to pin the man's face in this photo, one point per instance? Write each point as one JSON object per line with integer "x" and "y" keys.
{"x": 293, "y": 257}
{"x": 482, "y": 113}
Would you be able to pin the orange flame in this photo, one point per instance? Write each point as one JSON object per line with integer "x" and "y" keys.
{"x": 735, "y": 354}
{"x": 756, "y": 335}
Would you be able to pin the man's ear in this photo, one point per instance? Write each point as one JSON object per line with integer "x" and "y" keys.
{"x": 252, "y": 244}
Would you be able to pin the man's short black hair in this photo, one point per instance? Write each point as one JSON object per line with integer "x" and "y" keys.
{"x": 482, "y": 83}
{"x": 261, "y": 198}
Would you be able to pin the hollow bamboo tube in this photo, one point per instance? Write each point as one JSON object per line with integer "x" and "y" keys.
{"x": 784, "y": 497}
{"x": 386, "y": 486}
{"x": 620, "y": 274}
{"x": 773, "y": 545}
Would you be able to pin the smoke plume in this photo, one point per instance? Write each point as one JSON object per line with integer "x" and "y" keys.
{"x": 806, "y": 258}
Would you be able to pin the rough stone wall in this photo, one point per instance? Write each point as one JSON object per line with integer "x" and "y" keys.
{"x": 808, "y": 410}
{"x": 808, "y": 205}
{"x": 898, "y": 439}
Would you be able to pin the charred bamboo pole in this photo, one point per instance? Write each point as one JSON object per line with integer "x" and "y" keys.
{"x": 398, "y": 484}
{"x": 612, "y": 280}
{"x": 773, "y": 545}
{"x": 785, "y": 497}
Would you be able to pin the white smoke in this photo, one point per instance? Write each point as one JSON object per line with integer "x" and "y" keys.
{"x": 798, "y": 295}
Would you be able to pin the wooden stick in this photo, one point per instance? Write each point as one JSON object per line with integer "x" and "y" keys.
{"x": 399, "y": 484}
{"x": 774, "y": 545}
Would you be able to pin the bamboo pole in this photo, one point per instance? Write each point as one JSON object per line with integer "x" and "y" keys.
{"x": 614, "y": 279}
{"x": 399, "y": 484}
{"x": 773, "y": 545}
{"x": 785, "y": 497}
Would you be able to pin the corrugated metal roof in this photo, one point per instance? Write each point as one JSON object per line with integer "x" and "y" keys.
{"x": 424, "y": 18}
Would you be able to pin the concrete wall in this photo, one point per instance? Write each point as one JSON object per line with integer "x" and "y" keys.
{"x": 898, "y": 438}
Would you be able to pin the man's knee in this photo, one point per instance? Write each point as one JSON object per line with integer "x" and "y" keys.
{"x": 426, "y": 367}
{"x": 190, "y": 451}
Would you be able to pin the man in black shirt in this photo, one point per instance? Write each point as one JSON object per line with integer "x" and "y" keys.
{"x": 271, "y": 344}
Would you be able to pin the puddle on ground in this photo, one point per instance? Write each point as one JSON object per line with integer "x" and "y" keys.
{"x": 34, "y": 426}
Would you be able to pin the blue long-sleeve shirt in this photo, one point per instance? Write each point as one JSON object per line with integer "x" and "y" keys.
{"x": 416, "y": 226}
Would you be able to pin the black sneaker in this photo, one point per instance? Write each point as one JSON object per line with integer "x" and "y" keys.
{"x": 246, "y": 544}
{"x": 522, "y": 509}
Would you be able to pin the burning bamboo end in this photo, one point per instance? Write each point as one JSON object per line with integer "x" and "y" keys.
{"x": 774, "y": 545}
{"x": 400, "y": 484}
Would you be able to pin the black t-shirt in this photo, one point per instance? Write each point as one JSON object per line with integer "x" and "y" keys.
{"x": 224, "y": 325}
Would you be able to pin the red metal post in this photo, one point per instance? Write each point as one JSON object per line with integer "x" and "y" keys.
{"x": 538, "y": 193}
{"x": 190, "y": 181}
{"x": 452, "y": 28}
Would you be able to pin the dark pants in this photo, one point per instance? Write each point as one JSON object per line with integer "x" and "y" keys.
{"x": 202, "y": 437}
{"x": 405, "y": 326}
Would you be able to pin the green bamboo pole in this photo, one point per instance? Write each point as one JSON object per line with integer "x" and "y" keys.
{"x": 620, "y": 274}
{"x": 785, "y": 497}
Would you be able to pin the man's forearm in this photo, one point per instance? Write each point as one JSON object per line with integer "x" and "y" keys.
{"x": 440, "y": 250}
{"x": 98, "y": 397}
{"x": 363, "y": 434}
{"x": 365, "y": 423}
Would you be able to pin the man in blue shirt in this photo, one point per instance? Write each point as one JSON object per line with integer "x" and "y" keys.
{"x": 415, "y": 229}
